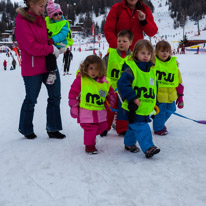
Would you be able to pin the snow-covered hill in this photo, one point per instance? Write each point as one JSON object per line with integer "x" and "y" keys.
{"x": 165, "y": 24}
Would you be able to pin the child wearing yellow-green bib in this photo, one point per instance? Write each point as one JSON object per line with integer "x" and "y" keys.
{"x": 137, "y": 87}
{"x": 59, "y": 34}
{"x": 114, "y": 60}
{"x": 170, "y": 88}
{"x": 87, "y": 100}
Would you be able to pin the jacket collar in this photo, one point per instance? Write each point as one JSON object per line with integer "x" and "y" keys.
{"x": 144, "y": 66}
{"x": 29, "y": 16}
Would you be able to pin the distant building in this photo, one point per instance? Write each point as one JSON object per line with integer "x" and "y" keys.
{"x": 6, "y": 36}
{"x": 76, "y": 28}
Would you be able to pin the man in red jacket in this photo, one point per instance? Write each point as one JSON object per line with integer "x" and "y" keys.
{"x": 133, "y": 15}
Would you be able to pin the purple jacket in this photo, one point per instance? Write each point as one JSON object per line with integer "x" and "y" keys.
{"x": 85, "y": 115}
{"x": 32, "y": 38}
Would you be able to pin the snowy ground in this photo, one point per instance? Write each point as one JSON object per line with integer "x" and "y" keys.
{"x": 47, "y": 172}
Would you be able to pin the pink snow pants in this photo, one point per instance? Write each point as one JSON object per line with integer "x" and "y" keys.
{"x": 91, "y": 130}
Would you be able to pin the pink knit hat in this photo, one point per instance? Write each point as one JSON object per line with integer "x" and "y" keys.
{"x": 52, "y": 8}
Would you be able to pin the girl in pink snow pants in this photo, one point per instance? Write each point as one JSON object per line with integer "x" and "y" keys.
{"x": 87, "y": 100}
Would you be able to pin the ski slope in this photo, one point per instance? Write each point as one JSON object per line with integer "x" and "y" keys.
{"x": 49, "y": 172}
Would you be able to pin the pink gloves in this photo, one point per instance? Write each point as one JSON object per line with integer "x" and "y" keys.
{"x": 74, "y": 110}
{"x": 179, "y": 101}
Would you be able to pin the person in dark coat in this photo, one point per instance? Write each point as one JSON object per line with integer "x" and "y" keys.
{"x": 68, "y": 56}
{"x": 14, "y": 63}
{"x": 133, "y": 15}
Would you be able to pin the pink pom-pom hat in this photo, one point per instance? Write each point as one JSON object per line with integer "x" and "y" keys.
{"x": 52, "y": 8}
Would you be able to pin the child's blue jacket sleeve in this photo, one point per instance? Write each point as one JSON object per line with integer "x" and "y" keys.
{"x": 62, "y": 35}
{"x": 124, "y": 84}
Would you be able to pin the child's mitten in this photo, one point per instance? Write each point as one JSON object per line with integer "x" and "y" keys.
{"x": 132, "y": 112}
{"x": 179, "y": 101}
{"x": 74, "y": 111}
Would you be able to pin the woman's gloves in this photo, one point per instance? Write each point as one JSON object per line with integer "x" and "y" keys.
{"x": 179, "y": 101}
{"x": 55, "y": 51}
{"x": 62, "y": 50}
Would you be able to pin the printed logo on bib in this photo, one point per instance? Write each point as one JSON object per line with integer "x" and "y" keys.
{"x": 94, "y": 99}
{"x": 115, "y": 73}
{"x": 163, "y": 76}
{"x": 147, "y": 93}
{"x": 102, "y": 93}
{"x": 151, "y": 81}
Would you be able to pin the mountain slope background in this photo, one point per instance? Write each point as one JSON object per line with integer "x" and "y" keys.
{"x": 168, "y": 14}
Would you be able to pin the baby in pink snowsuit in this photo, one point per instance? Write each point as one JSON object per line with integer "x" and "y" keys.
{"x": 87, "y": 100}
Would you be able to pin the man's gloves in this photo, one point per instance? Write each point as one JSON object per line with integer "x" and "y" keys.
{"x": 132, "y": 112}
{"x": 179, "y": 101}
{"x": 51, "y": 62}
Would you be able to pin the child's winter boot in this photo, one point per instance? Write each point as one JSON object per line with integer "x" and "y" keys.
{"x": 132, "y": 148}
{"x": 91, "y": 149}
{"x": 152, "y": 151}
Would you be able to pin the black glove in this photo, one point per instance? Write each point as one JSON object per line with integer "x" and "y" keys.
{"x": 132, "y": 112}
{"x": 51, "y": 62}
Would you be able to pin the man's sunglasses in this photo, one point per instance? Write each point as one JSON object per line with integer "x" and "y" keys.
{"x": 56, "y": 14}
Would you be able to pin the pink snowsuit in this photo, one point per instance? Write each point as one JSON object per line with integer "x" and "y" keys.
{"x": 94, "y": 122}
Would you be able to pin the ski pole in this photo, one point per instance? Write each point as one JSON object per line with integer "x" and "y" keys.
{"x": 197, "y": 121}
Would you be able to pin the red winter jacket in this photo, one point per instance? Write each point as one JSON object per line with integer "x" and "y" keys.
{"x": 120, "y": 17}
{"x": 5, "y": 63}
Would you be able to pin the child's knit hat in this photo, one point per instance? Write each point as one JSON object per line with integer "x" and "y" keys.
{"x": 52, "y": 8}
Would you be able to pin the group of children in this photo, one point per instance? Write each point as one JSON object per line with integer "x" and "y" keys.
{"x": 137, "y": 84}
{"x": 128, "y": 88}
